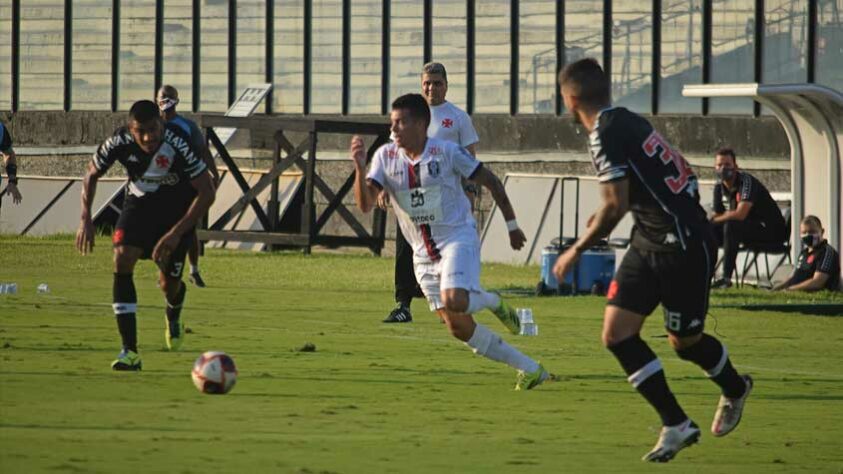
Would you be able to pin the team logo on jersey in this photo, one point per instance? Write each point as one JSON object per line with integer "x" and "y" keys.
{"x": 613, "y": 290}
{"x": 417, "y": 199}
{"x": 447, "y": 123}
{"x": 391, "y": 153}
{"x": 433, "y": 169}
{"x": 434, "y": 150}
{"x": 162, "y": 161}
{"x": 810, "y": 259}
{"x": 133, "y": 159}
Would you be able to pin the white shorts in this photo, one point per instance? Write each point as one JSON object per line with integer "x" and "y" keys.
{"x": 459, "y": 267}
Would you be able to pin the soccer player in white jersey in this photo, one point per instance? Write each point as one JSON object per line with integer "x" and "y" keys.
{"x": 423, "y": 178}
{"x": 447, "y": 122}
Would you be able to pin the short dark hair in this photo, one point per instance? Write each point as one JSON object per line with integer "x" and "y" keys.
{"x": 143, "y": 111}
{"x": 586, "y": 80}
{"x": 415, "y": 104}
{"x": 812, "y": 221}
{"x": 726, "y": 151}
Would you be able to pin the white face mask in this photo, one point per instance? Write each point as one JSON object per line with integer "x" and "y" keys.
{"x": 167, "y": 103}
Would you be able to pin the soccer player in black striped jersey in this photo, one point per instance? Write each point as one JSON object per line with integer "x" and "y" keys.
{"x": 169, "y": 191}
{"x": 670, "y": 259}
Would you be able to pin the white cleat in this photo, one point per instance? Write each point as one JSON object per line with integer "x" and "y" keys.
{"x": 673, "y": 439}
{"x": 729, "y": 411}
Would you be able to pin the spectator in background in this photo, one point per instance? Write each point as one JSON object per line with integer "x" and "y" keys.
{"x": 167, "y": 99}
{"x": 818, "y": 266}
{"x": 753, "y": 216}
{"x": 10, "y": 163}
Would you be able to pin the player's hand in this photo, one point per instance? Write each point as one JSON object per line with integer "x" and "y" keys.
{"x": 358, "y": 151}
{"x": 565, "y": 263}
{"x": 517, "y": 239}
{"x": 383, "y": 200}
{"x": 164, "y": 249}
{"x": 13, "y": 190}
{"x": 85, "y": 237}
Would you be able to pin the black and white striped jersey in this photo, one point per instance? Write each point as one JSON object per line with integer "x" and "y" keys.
{"x": 161, "y": 177}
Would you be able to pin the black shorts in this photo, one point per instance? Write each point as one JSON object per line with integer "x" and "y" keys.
{"x": 680, "y": 281}
{"x": 140, "y": 226}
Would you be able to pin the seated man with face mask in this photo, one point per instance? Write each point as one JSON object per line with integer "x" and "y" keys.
{"x": 818, "y": 266}
{"x": 753, "y": 217}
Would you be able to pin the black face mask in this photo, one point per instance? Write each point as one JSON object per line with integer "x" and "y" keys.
{"x": 811, "y": 240}
{"x": 725, "y": 174}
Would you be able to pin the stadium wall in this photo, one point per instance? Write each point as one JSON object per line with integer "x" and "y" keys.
{"x": 52, "y": 143}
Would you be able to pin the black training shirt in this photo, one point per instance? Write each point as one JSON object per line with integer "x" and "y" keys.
{"x": 823, "y": 259}
{"x": 748, "y": 189}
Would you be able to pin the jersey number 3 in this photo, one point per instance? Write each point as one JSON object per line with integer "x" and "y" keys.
{"x": 667, "y": 155}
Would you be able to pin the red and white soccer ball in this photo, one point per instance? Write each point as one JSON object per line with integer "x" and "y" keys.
{"x": 214, "y": 373}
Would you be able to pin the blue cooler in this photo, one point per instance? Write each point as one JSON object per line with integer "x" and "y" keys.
{"x": 593, "y": 272}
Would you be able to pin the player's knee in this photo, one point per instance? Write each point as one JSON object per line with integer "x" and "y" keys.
{"x": 680, "y": 344}
{"x": 170, "y": 286}
{"x": 460, "y": 328}
{"x": 455, "y": 301}
{"x": 612, "y": 337}
{"x": 124, "y": 260}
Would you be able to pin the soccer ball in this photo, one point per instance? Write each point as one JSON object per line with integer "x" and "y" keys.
{"x": 214, "y": 373}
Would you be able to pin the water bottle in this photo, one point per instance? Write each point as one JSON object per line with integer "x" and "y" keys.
{"x": 43, "y": 288}
{"x": 528, "y": 325}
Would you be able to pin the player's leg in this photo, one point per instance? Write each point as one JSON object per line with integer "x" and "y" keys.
{"x": 632, "y": 296}
{"x": 686, "y": 305}
{"x": 479, "y": 299}
{"x": 174, "y": 292}
{"x": 124, "y": 302}
{"x": 460, "y": 282}
{"x": 193, "y": 258}
{"x": 406, "y": 286}
{"x": 483, "y": 341}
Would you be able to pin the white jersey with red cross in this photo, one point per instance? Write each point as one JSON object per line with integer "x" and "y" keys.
{"x": 427, "y": 194}
{"x": 449, "y": 122}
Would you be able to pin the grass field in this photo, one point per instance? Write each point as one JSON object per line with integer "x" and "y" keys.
{"x": 373, "y": 397}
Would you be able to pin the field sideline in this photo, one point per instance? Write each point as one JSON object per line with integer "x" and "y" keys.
{"x": 373, "y": 397}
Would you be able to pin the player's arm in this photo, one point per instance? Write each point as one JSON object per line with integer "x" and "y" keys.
{"x": 615, "y": 197}
{"x": 365, "y": 190}
{"x": 85, "y": 234}
{"x": 204, "y": 186}
{"x": 740, "y": 213}
{"x": 488, "y": 180}
{"x": 205, "y": 153}
{"x": 816, "y": 283}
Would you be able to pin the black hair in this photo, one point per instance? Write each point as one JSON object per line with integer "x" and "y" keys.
{"x": 415, "y": 104}
{"x": 586, "y": 80}
{"x": 143, "y": 111}
{"x": 726, "y": 151}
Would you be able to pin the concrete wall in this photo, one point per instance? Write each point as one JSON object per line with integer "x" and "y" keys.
{"x": 757, "y": 137}
{"x": 59, "y": 144}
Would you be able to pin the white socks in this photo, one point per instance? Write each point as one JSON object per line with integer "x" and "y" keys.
{"x": 194, "y": 269}
{"x": 488, "y": 344}
{"x": 482, "y": 299}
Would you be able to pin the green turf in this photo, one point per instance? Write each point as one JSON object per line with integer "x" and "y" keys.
{"x": 374, "y": 397}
